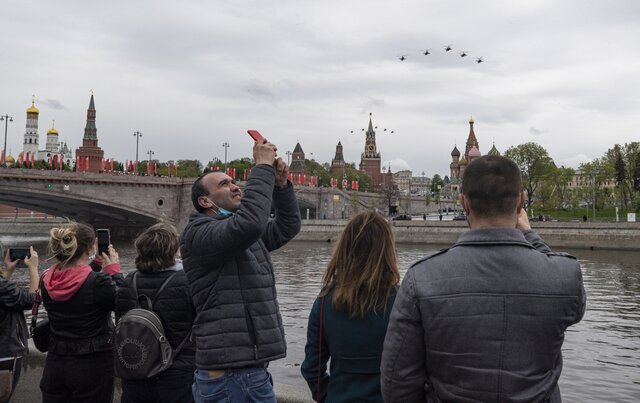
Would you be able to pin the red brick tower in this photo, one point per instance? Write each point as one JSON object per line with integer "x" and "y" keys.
{"x": 370, "y": 160}
{"x": 89, "y": 146}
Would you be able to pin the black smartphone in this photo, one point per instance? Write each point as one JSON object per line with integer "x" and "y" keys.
{"x": 104, "y": 239}
{"x": 19, "y": 253}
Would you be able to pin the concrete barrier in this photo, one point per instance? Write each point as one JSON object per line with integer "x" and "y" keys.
{"x": 28, "y": 389}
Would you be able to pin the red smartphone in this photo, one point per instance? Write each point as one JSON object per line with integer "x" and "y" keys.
{"x": 255, "y": 135}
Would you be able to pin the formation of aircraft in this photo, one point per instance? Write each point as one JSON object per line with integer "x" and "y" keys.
{"x": 447, "y": 48}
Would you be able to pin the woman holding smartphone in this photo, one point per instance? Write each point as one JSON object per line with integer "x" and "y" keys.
{"x": 14, "y": 300}
{"x": 348, "y": 321}
{"x": 79, "y": 302}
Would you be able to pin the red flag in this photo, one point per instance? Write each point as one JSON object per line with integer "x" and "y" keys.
{"x": 304, "y": 179}
{"x": 334, "y": 182}
{"x": 354, "y": 185}
{"x": 55, "y": 161}
{"x": 111, "y": 164}
{"x": 102, "y": 165}
{"x": 2, "y": 157}
{"x": 290, "y": 177}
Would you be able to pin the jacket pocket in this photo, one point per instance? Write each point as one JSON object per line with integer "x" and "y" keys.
{"x": 361, "y": 365}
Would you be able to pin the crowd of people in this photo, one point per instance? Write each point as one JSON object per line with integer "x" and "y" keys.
{"x": 483, "y": 320}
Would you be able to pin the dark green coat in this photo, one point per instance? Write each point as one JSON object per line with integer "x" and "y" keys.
{"x": 355, "y": 348}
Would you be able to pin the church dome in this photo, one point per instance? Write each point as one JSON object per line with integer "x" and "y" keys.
{"x": 32, "y": 108}
{"x": 455, "y": 152}
{"x": 474, "y": 152}
{"x": 52, "y": 131}
{"x": 10, "y": 160}
{"x": 463, "y": 161}
{"x": 494, "y": 151}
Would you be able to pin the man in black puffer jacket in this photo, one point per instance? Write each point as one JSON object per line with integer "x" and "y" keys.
{"x": 225, "y": 250}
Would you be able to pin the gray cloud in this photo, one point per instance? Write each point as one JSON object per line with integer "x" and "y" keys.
{"x": 537, "y": 132}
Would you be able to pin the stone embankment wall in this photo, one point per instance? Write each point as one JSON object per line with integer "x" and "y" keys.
{"x": 574, "y": 235}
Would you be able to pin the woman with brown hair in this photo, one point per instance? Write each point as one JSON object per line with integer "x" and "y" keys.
{"x": 79, "y": 301}
{"x": 158, "y": 265}
{"x": 349, "y": 318}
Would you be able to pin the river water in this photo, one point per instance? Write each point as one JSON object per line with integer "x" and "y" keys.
{"x": 601, "y": 353}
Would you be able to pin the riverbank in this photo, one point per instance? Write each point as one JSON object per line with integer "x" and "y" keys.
{"x": 571, "y": 235}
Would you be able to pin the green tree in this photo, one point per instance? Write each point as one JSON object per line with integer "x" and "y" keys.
{"x": 189, "y": 168}
{"x": 437, "y": 184}
{"x": 534, "y": 163}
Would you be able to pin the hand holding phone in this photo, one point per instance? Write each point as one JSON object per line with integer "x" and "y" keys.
{"x": 255, "y": 135}
{"x": 19, "y": 254}
{"x": 104, "y": 240}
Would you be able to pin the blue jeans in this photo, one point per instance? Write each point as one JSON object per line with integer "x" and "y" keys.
{"x": 253, "y": 385}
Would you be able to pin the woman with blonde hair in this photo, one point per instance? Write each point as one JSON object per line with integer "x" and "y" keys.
{"x": 79, "y": 302}
{"x": 162, "y": 280}
{"x": 349, "y": 318}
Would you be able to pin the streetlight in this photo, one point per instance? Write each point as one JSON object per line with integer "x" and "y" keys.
{"x": 150, "y": 152}
{"x": 137, "y": 135}
{"x": 225, "y": 145}
{"x": 6, "y": 119}
{"x": 288, "y": 155}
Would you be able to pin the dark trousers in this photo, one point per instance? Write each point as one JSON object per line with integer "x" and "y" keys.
{"x": 17, "y": 370}
{"x": 78, "y": 378}
{"x": 171, "y": 386}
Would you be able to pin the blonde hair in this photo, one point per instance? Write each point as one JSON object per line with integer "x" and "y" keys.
{"x": 157, "y": 247}
{"x": 363, "y": 270}
{"x": 70, "y": 241}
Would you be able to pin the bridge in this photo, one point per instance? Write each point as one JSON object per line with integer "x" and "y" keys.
{"x": 128, "y": 203}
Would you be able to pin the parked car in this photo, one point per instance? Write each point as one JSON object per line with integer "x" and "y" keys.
{"x": 460, "y": 217}
{"x": 402, "y": 217}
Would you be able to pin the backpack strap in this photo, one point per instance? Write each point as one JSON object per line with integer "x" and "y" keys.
{"x": 149, "y": 301}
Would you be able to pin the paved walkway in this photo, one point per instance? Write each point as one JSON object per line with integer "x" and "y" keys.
{"x": 28, "y": 390}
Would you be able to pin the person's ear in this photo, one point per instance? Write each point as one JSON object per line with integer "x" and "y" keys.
{"x": 520, "y": 203}
{"x": 465, "y": 204}
{"x": 204, "y": 202}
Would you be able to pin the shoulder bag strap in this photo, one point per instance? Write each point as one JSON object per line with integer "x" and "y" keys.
{"x": 320, "y": 348}
{"x": 36, "y": 305}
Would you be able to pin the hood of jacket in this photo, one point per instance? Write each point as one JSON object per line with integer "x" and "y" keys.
{"x": 63, "y": 284}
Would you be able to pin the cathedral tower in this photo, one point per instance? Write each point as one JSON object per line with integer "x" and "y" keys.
{"x": 31, "y": 133}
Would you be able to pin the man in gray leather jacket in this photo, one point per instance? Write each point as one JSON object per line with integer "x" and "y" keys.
{"x": 484, "y": 320}
{"x": 225, "y": 250}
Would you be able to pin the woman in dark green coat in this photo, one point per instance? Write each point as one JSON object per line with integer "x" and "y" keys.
{"x": 349, "y": 318}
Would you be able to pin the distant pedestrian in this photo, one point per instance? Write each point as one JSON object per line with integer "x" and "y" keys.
{"x": 424, "y": 217}
{"x": 584, "y": 218}
{"x": 349, "y": 318}
{"x": 440, "y": 216}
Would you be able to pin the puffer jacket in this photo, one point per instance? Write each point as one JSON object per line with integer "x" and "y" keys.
{"x": 173, "y": 306}
{"x": 82, "y": 324}
{"x": 13, "y": 326}
{"x": 482, "y": 321}
{"x": 230, "y": 274}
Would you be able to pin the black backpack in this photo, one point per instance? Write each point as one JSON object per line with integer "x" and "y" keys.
{"x": 141, "y": 348}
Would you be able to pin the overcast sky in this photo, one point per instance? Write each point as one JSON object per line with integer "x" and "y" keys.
{"x": 191, "y": 75}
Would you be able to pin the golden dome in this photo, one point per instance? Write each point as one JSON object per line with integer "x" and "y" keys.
{"x": 463, "y": 161}
{"x": 33, "y": 108}
{"x": 53, "y": 129}
{"x": 10, "y": 159}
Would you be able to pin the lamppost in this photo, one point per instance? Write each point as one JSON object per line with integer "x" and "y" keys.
{"x": 225, "y": 145}
{"x": 288, "y": 155}
{"x": 137, "y": 135}
{"x": 6, "y": 119}
{"x": 150, "y": 152}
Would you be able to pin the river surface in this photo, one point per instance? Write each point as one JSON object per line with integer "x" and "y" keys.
{"x": 601, "y": 353}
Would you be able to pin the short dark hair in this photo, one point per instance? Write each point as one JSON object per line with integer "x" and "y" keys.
{"x": 198, "y": 190}
{"x": 156, "y": 248}
{"x": 492, "y": 186}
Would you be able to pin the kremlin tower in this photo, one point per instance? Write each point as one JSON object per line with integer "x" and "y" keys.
{"x": 297, "y": 160}
{"x": 53, "y": 145}
{"x": 31, "y": 133}
{"x": 337, "y": 163}
{"x": 90, "y": 147}
{"x": 370, "y": 160}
